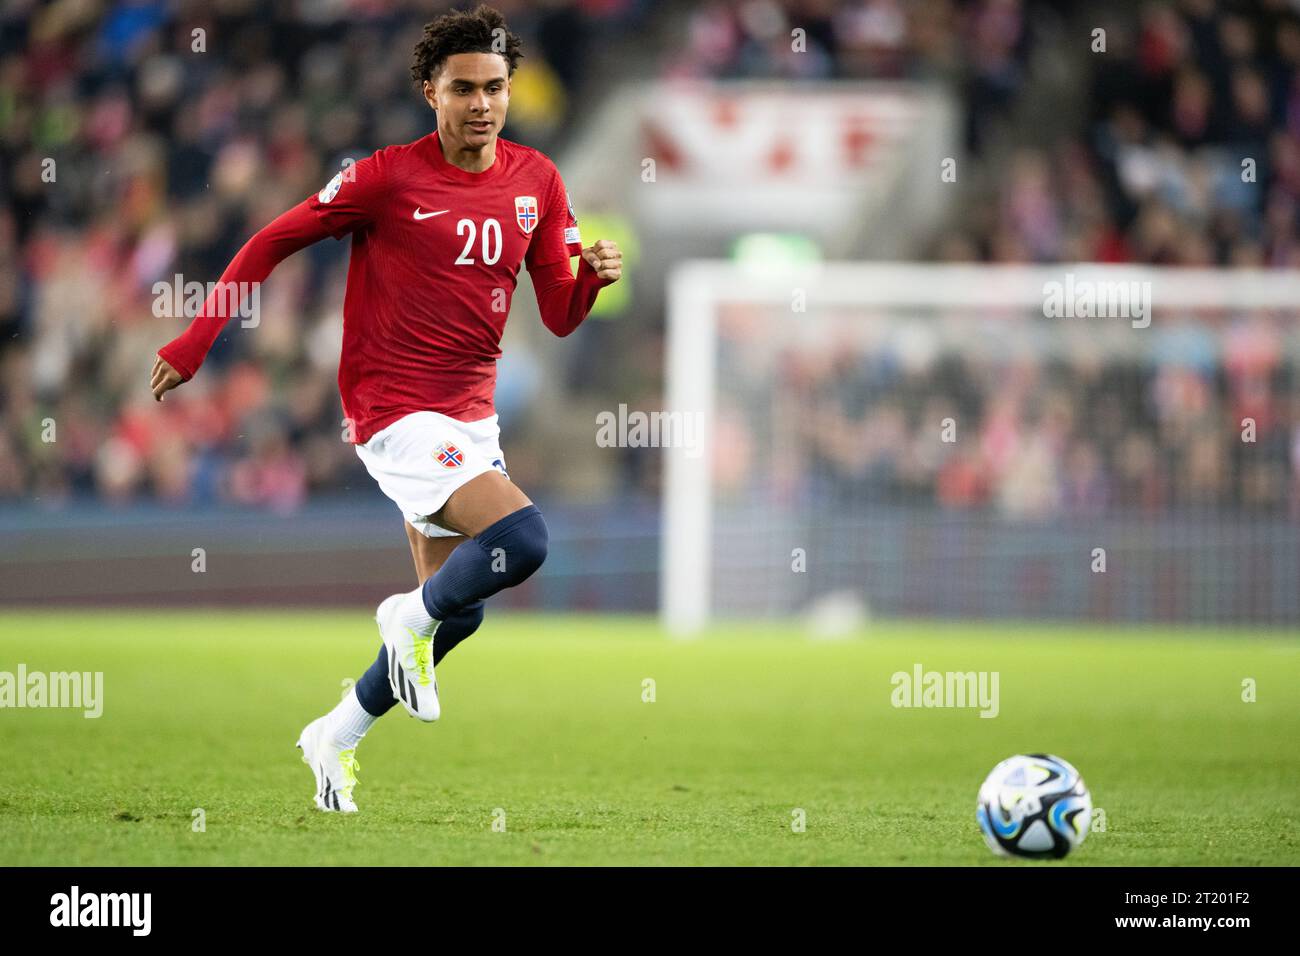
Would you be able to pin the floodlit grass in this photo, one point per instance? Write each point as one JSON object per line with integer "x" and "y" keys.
{"x": 545, "y": 728}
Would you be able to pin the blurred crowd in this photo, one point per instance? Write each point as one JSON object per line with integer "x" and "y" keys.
{"x": 145, "y": 139}
{"x": 980, "y": 48}
{"x": 1211, "y": 422}
{"x": 1190, "y": 154}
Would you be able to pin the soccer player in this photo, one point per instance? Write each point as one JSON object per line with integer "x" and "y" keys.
{"x": 439, "y": 229}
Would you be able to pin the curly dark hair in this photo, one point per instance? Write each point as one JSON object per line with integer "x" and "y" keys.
{"x": 481, "y": 30}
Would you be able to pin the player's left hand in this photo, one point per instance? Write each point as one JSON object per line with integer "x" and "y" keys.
{"x": 605, "y": 258}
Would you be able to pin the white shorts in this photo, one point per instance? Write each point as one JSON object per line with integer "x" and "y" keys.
{"x": 421, "y": 458}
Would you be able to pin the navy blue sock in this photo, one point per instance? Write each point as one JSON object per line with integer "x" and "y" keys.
{"x": 373, "y": 690}
{"x": 455, "y": 629}
{"x": 503, "y": 555}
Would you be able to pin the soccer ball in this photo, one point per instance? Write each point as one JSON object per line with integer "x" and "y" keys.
{"x": 1034, "y": 805}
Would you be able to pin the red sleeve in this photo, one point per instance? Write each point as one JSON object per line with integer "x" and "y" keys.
{"x": 283, "y": 236}
{"x": 564, "y": 300}
{"x": 556, "y": 238}
{"x": 354, "y": 198}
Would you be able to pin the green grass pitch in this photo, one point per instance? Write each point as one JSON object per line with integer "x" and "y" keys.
{"x": 544, "y": 728}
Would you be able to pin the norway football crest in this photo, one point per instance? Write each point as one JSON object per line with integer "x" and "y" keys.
{"x": 526, "y": 213}
{"x": 448, "y": 455}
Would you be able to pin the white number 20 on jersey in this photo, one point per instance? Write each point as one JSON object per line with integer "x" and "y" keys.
{"x": 491, "y": 243}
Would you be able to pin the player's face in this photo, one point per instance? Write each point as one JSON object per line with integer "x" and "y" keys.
{"x": 471, "y": 94}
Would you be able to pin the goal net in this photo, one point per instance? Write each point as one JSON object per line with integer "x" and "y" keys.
{"x": 1080, "y": 442}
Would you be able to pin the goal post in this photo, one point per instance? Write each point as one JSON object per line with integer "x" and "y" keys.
{"x": 751, "y": 352}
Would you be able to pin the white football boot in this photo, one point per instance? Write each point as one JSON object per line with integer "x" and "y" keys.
{"x": 410, "y": 662}
{"x": 335, "y": 767}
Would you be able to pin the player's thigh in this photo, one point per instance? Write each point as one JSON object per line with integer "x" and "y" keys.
{"x": 479, "y": 503}
{"x": 428, "y": 553}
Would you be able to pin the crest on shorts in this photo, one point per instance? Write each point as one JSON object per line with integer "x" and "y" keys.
{"x": 526, "y": 213}
{"x": 448, "y": 455}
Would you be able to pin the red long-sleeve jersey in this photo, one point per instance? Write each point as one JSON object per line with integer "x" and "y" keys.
{"x": 435, "y": 259}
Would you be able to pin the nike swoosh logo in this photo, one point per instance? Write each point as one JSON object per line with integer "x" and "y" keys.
{"x": 429, "y": 215}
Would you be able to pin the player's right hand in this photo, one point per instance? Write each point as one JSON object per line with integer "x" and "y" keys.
{"x": 164, "y": 378}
